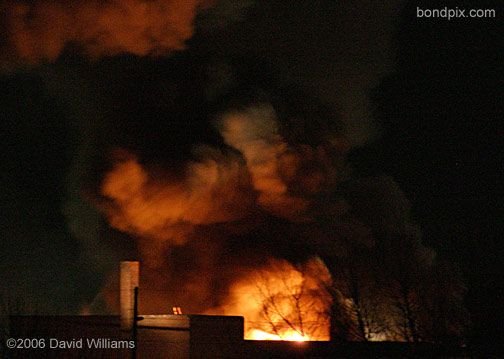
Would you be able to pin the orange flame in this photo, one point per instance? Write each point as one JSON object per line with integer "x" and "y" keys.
{"x": 282, "y": 302}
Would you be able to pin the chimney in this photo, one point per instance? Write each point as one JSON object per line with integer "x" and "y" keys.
{"x": 129, "y": 280}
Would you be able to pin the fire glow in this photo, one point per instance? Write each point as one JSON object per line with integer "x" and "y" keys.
{"x": 282, "y": 302}
{"x": 279, "y": 300}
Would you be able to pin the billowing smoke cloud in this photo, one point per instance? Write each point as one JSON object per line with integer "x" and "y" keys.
{"x": 164, "y": 209}
{"x": 262, "y": 198}
{"x": 287, "y": 175}
{"x": 268, "y": 190}
{"x": 255, "y": 134}
{"x": 220, "y": 198}
{"x": 260, "y": 175}
{"x": 39, "y": 31}
{"x": 282, "y": 179}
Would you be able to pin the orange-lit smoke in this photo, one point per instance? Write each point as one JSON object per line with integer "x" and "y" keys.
{"x": 166, "y": 209}
{"x": 221, "y": 187}
{"x": 200, "y": 210}
{"x": 38, "y": 31}
{"x": 282, "y": 302}
{"x": 254, "y": 132}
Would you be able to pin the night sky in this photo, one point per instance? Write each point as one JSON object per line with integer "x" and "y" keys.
{"x": 441, "y": 112}
{"x": 419, "y": 100}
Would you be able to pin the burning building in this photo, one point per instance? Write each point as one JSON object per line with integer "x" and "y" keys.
{"x": 228, "y": 182}
{"x": 138, "y": 335}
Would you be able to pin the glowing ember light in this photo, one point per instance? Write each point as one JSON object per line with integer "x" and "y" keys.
{"x": 177, "y": 311}
{"x": 380, "y": 337}
{"x": 257, "y": 334}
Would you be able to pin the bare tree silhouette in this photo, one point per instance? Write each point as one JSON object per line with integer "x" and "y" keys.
{"x": 294, "y": 304}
